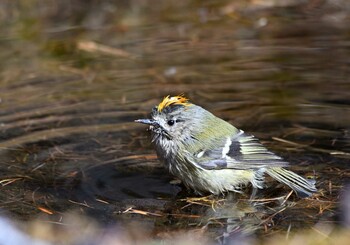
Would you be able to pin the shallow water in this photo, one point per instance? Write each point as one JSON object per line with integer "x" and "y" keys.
{"x": 74, "y": 76}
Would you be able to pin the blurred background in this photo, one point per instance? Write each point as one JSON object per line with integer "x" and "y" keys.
{"x": 76, "y": 169}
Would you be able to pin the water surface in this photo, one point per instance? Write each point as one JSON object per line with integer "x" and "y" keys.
{"x": 74, "y": 77}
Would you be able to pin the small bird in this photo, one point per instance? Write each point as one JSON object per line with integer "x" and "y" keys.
{"x": 208, "y": 154}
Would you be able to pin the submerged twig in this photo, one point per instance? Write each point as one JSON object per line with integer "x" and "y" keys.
{"x": 92, "y": 47}
{"x": 137, "y": 211}
{"x": 102, "y": 201}
{"x": 287, "y": 197}
{"x": 268, "y": 199}
{"x": 316, "y": 149}
{"x": 273, "y": 215}
{"x": 79, "y": 203}
{"x": 288, "y": 231}
{"x": 185, "y": 215}
{"x": 45, "y": 210}
{"x": 6, "y": 182}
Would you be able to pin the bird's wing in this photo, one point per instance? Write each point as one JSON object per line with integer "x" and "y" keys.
{"x": 241, "y": 151}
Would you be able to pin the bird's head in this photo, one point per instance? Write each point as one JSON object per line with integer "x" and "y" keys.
{"x": 174, "y": 119}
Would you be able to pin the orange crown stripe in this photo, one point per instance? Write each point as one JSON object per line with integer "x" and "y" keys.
{"x": 175, "y": 100}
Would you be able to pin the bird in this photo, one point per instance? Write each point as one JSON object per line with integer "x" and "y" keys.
{"x": 210, "y": 155}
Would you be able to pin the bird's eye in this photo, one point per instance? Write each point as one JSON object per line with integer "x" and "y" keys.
{"x": 171, "y": 122}
{"x": 154, "y": 109}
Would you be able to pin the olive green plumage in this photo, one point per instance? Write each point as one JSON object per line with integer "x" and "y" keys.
{"x": 210, "y": 155}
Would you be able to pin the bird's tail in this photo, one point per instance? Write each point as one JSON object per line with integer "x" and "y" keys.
{"x": 302, "y": 186}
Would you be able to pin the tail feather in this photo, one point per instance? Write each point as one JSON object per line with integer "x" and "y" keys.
{"x": 302, "y": 186}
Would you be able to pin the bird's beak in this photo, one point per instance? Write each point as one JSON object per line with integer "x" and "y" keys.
{"x": 147, "y": 121}
{"x": 155, "y": 127}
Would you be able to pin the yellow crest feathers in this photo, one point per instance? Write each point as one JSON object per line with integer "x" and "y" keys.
{"x": 175, "y": 100}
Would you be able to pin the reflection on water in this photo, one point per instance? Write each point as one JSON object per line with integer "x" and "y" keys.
{"x": 74, "y": 76}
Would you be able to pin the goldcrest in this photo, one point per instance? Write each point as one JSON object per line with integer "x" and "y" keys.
{"x": 209, "y": 155}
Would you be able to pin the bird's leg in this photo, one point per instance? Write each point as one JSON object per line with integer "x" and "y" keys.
{"x": 204, "y": 199}
{"x": 254, "y": 192}
{"x": 210, "y": 201}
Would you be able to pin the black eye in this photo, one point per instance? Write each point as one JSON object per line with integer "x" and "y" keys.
{"x": 171, "y": 122}
{"x": 154, "y": 109}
